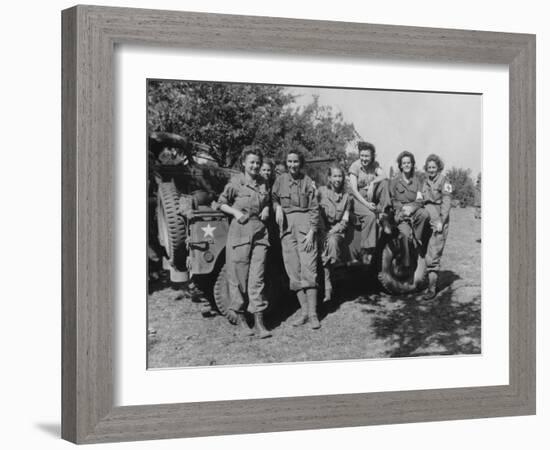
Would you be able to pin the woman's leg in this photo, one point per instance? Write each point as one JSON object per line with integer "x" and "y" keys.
{"x": 433, "y": 259}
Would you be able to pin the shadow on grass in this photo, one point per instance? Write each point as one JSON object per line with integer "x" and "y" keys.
{"x": 358, "y": 285}
{"x": 443, "y": 325}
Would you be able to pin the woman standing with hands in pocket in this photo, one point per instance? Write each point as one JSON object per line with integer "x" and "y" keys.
{"x": 246, "y": 198}
{"x": 297, "y": 215}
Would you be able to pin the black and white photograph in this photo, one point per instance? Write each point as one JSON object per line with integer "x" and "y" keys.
{"x": 305, "y": 224}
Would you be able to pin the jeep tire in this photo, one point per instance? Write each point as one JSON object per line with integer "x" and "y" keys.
{"x": 222, "y": 298}
{"x": 394, "y": 284}
{"x": 171, "y": 227}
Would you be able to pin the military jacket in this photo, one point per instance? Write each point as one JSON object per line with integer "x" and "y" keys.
{"x": 296, "y": 195}
{"x": 248, "y": 196}
{"x": 438, "y": 192}
{"x": 405, "y": 193}
{"x": 332, "y": 205}
{"x": 364, "y": 176}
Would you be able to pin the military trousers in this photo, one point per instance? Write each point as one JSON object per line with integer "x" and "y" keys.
{"x": 437, "y": 241}
{"x": 331, "y": 245}
{"x": 300, "y": 265}
{"x": 245, "y": 265}
{"x": 381, "y": 198}
{"x": 418, "y": 222}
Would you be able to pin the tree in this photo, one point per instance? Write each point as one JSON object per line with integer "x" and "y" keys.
{"x": 463, "y": 186}
{"x": 227, "y": 117}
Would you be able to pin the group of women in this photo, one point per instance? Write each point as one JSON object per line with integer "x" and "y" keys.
{"x": 306, "y": 216}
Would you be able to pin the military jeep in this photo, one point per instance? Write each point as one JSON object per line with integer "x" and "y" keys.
{"x": 193, "y": 237}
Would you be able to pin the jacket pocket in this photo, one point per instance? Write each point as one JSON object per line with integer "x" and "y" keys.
{"x": 304, "y": 200}
{"x": 240, "y": 249}
{"x": 285, "y": 201}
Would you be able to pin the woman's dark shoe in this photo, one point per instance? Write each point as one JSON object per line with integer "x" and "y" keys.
{"x": 366, "y": 257}
{"x": 384, "y": 222}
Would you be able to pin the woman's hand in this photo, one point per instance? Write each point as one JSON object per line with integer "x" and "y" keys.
{"x": 242, "y": 218}
{"x": 265, "y": 214}
{"x": 439, "y": 227}
{"x": 335, "y": 229}
{"x": 279, "y": 216}
{"x": 371, "y": 206}
{"x": 309, "y": 241}
{"x": 338, "y": 227}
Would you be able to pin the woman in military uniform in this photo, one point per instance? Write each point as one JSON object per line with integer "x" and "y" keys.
{"x": 406, "y": 195}
{"x": 246, "y": 198}
{"x": 334, "y": 208}
{"x": 267, "y": 171}
{"x": 436, "y": 193}
{"x": 297, "y": 215}
{"x": 369, "y": 187}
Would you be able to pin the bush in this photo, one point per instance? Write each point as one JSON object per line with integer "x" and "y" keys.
{"x": 464, "y": 190}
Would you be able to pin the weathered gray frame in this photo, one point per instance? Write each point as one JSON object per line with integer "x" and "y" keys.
{"x": 89, "y": 36}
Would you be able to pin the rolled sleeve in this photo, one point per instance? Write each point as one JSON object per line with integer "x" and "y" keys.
{"x": 275, "y": 191}
{"x": 228, "y": 195}
{"x": 354, "y": 169}
{"x": 445, "y": 208}
{"x": 313, "y": 210}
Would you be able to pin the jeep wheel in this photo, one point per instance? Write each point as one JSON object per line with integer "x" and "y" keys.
{"x": 221, "y": 296}
{"x": 397, "y": 280}
{"x": 171, "y": 227}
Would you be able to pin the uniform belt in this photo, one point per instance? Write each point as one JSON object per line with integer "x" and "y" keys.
{"x": 295, "y": 209}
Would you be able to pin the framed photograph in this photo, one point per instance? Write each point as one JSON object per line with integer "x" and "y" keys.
{"x": 278, "y": 224}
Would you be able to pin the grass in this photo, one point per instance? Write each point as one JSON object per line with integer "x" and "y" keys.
{"x": 365, "y": 323}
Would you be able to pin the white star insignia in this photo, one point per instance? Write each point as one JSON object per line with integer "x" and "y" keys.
{"x": 208, "y": 231}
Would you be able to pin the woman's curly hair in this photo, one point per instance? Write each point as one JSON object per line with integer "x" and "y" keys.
{"x": 296, "y": 151}
{"x": 364, "y": 145}
{"x": 437, "y": 160}
{"x": 403, "y": 155}
{"x": 251, "y": 150}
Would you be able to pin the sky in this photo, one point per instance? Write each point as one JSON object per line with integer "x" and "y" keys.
{"x": 448, "y": 125}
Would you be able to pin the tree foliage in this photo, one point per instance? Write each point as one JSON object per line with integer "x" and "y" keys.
{"x": 227, "y": 117}
{"x": 463, "y": 186}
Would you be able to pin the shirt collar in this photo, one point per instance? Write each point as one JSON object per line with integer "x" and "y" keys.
{"x": 333, "y": 195}
{"x": 371, "y": 166}
{"x": 250, "y": 183}
{"x": 406, "y": 181}
{"x": 293, "y": 180}
{"x": 435, "y": 180}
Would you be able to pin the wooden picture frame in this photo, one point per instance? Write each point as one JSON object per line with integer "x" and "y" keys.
{"x": 89, "y": 37}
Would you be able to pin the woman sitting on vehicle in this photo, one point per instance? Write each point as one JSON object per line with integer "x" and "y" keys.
{"x": 246, "y": 198}
{"x": 406, "y": 195}
{"x": 297, "y": 215}
{"x": 436, "y": 193}
{"x": 369, "y": 187}
{"x": 334, "y": 206}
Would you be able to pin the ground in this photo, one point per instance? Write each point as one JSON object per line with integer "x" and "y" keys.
{"x": 365, "y": 323}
